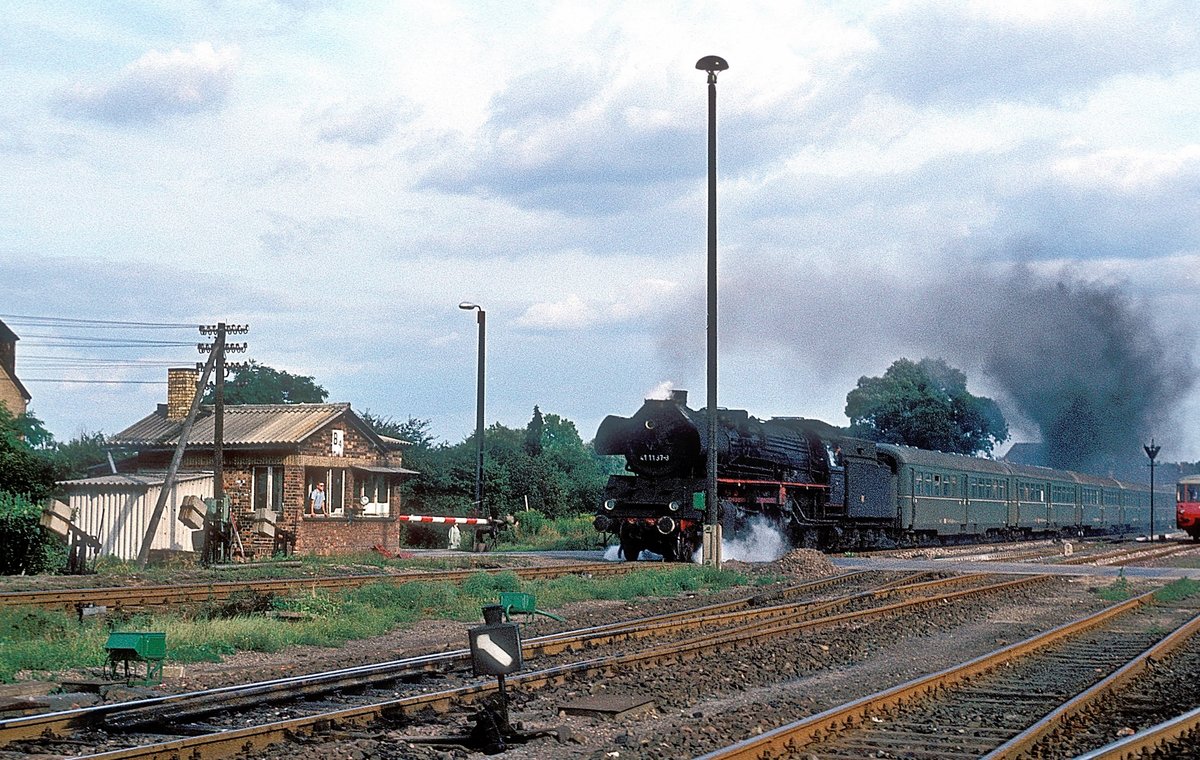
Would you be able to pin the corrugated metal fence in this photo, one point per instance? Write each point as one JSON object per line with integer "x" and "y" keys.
{"x": 116, "y": 509}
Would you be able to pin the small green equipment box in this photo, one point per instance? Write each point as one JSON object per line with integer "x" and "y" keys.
{"x": 125, "y": 647}
{"x": 522, "y": 603}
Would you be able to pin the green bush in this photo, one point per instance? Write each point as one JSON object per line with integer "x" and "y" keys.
{"x": 532, "y": 523}
{"x": 28, "y": 547}
{"x": 1117, "y": 591}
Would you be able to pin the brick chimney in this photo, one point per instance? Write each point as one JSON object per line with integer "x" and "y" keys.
{"x": 181, "y": 388}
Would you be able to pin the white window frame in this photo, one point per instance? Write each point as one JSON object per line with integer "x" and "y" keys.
{"x": 373, "y": 507}
{"x": 273, "y": 473}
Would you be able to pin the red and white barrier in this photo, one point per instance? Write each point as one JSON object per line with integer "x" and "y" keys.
{"x": 446, "y": 520}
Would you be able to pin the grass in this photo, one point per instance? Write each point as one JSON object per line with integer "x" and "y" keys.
{"x": 1117, "y": 591}
{"x": 44, "y": 641}
{"x": 536, "y": 532}
{"x": 1177, "y": 590}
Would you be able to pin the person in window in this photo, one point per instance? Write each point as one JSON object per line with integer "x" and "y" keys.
{"x": 316, "y": 500}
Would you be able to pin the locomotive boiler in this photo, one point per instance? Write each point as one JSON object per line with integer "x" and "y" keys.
{"x": 823, "y": 489}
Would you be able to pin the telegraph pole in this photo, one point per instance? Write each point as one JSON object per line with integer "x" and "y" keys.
{"x": 219, "y": 346}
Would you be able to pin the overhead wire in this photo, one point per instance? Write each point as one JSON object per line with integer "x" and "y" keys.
{"x": 76, "y": 333}
{"x": 34, "y": 320}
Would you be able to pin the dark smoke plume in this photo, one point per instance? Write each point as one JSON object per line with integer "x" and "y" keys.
{"x": 1081, "y": 361}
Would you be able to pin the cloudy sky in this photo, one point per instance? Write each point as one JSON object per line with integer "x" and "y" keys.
{"x": 1010, "y": 185}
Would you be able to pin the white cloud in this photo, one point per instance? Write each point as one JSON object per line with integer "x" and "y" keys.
{"x": 1129, "y": 170}
{"x": 363, "y": 125}
{"x": 645, "y": 298}
{"x": 157, "y": 86}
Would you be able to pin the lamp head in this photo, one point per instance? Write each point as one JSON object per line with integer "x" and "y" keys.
{"x": 712, "y": 64}
{"x": 468, "y": 306}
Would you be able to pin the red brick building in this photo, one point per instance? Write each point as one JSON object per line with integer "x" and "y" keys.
{"x": 12, "y": 393}
{"x": 274, "y": 456}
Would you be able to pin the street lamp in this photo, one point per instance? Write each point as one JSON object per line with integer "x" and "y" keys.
{"x": 1152, "y": 452}
{"x": 482, "y": 319}
{"x": 712, "y": 529}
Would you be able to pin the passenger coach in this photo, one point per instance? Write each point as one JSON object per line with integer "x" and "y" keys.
{"x": 948, "y": 494}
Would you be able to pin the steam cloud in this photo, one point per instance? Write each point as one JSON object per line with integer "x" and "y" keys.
{"x": 1079, "y": 360}
{"x": 762, "y": 542}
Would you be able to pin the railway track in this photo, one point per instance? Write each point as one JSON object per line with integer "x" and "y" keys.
{"x": 720, "y": 627}
{"x": 1003, "y": 705}
{"x": 1128, "y": 556}
{"x": 1175, "y": 738}
{"x": 137, "y": 597}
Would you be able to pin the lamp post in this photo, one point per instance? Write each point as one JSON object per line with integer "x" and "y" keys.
{"x": 1152, "y": 452}
{"x": 482, "y": 319}
{"x": 712, "y": 529}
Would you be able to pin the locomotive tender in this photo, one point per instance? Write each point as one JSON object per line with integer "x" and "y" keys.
{"x": 825, "y": 490}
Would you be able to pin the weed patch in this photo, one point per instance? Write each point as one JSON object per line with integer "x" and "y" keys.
{"x": 1177, "y": 590}
{"x": 1117, "y": 591}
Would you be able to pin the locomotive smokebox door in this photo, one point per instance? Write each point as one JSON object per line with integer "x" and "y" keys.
{"x": 496, "y": 649}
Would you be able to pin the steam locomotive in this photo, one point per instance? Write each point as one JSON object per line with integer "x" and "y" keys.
{"x": 828, "y": 491}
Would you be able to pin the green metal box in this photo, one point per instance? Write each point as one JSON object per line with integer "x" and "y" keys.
{"x": 147, "y": 645}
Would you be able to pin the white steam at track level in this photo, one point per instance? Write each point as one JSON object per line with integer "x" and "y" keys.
{"x": 758, "y": 542}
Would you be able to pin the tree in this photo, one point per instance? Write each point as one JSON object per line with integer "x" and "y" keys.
{"x": 925, "y": 404}
{"x": 74, "y": 457}
{"x": 24, "y": 471}
{"x": 533, "y": 433}
{"x": 414, "y": 430}
{"x": 545, "y": 462}
{"x": 260, "y": 384}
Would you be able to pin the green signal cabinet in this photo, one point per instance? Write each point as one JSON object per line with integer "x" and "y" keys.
{"x": 136, "y": 647}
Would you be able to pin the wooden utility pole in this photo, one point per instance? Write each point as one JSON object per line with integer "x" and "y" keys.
{"x": 216, "y": 360}
{"x": 169, "y": 481}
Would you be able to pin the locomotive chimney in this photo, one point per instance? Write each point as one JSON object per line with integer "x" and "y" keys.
{"x": 679, "y": 397}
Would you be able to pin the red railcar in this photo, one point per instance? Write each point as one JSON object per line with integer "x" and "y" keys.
{"x": 1187, "y": 505}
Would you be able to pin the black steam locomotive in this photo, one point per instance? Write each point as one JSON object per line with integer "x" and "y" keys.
{"x": 825, "y": 490}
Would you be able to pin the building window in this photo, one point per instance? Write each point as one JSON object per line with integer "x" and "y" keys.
{"x": 268, "y": 488}
{"x": 335, "y": 489}
{"x": 374, "y": 494}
